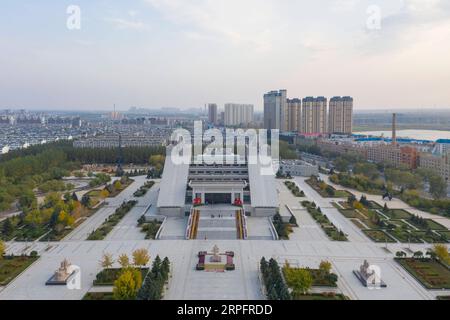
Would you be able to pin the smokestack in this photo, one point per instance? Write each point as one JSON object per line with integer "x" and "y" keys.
{"x": 394, "y": 129}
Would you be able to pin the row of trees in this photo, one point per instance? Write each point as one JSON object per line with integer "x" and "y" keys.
{"x": 438, "y": 252}
{"x": 273, "y": 280}
{"x": 24, "y": 170}
{"x": 153, "y": 287}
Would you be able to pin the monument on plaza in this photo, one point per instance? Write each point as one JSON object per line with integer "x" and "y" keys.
{"x": 212, "y": 261}
{"x": 215, "y": 257}
{"x": 62, "y": 274}
{"x": 369, "y": 276}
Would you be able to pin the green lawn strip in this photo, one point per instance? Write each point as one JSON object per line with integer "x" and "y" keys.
{"x": 430, "y": 273}
{"x": 295, "y": 190}
{"x": 112, "y": 221}
{"x": 446, "y": 234}
{"x": 430, "y": 236}
{"x": 98, "y": 296}
{"x": 404, "y": 236}
{"x": 313, "y": 183}
{"x": 329, "y": 228}
{"x": 12, "y": 266}
{"x": 106, "y": 277}
{"x": 430, "y": 224}
{"x": 378, "y": 236}
{"x": 125, "y": 185}
{"x": 358, "y": 223}
{"x": 144, "y": 189}
{"x": 322, "y": 296}
{"x": 397, "y": 214}
{"x": 150, "y": 228}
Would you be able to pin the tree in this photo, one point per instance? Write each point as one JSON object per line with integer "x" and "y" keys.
{"x": 107, "y": 261}
{"x": 2, "y": 249}
{"x": 438, "y": 187}
{"x": 400, "y": 254}
{"x": 418, "y": 254}
{"x": 301, "y": 281}
{"x": 127, "y": 285}
{"x": 27, "y": 199}
{"x": 117, "y": 185}
{"x": 104, "y": 193}
{"x": 441, "y": 252}
{"x": 7, "y": 228}
{"x": 341, "y": 164}
{"x": 124, "y": 261}
{"x": 140, "y": 257}
{"x": 325, "y": 267}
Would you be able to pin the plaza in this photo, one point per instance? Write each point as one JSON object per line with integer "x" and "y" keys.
{"x": 308, "y": 245}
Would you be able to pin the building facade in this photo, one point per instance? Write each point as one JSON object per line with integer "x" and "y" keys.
{"x": 340, "y": 115}
{"x": 314, "y": 115}
{"x": 238, "y": 114}
{"x": 212, "y": 113}
{"x": 436, "y": 163}
{"x": 294, "y": 107}
{"x": 275, "y": 110}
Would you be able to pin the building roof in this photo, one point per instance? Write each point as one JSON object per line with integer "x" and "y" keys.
{"x": 173, "y": 183}
{"x": 263, "y": 190}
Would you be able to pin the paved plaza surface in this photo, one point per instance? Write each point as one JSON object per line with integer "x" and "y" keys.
{"x": 307, "y": 247}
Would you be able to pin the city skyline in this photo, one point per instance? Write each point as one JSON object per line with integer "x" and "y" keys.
{"x": 223, "y": 51}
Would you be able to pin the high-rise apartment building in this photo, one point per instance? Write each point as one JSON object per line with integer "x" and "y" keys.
{"x": 294, "y": 114}
{"x": 275, "y": 110}
{"x": 314, "y": 115}
{"x": 238, "y": 114}
{"x": 340, "y": 115}
{"x": 212, "y": 113}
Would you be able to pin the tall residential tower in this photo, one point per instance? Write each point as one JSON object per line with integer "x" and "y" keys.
{"x": 314, "y": 115}
{"x": 275, "y": 110}
{"x": 340, "y": 116}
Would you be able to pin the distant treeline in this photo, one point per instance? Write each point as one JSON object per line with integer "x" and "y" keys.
{"x": 136, "y": 155}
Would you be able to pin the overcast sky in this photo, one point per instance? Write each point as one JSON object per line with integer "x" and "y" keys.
{"x": 185, "y": 53}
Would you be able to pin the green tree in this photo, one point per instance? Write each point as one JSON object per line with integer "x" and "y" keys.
{"x": 325, "y": 267}
{"x": 441, "y": 252}
{"x": 438, "y": 187}
{"x": 27, "y": 199}
{"x": 127, "y": 285}
{"x": 301, "y": 281}
{"x": 2, "y": 249}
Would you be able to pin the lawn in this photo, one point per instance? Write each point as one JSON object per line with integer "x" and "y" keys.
{"x": 325, "y": 190}
{"x": 358, "y": 223}
{"x": 430, "y": 273}
{"x": 446, "y": 234}
{"x": 430, "y": 236}
{"x": 431, "y": 224}
{"x": 98, "y": 296}
{"x": 112, "y": 221}
{"x": 378, "y": 236}
{"x": 322, "y": 296}
{"x": 151, "y": 228}
{"x": 397, "y": 214}
{"x": 405, "y": 236}
{"x": 106, "y": 277}
{"x": 11, "y": 267}
{"x": 320, "y": 279}
{"x": 329, "y": 228}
